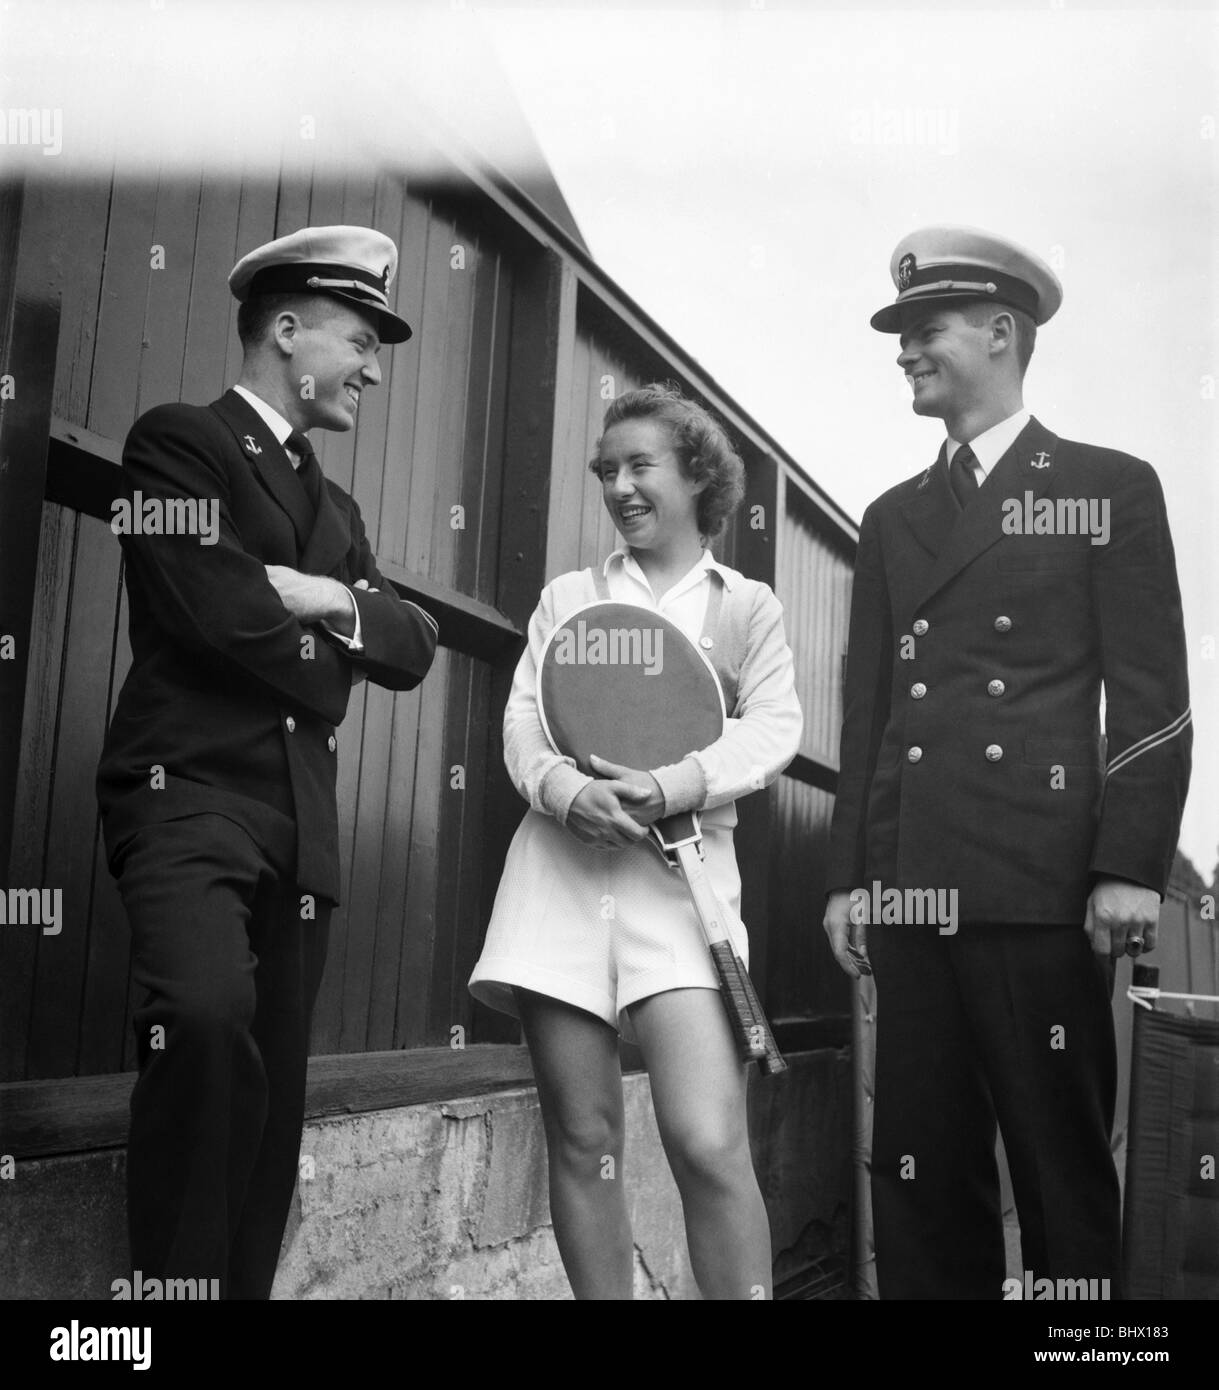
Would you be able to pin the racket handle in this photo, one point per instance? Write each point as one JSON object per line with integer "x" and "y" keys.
{"x": 771, "y": 1062}
{"x": 750, "y": 1028}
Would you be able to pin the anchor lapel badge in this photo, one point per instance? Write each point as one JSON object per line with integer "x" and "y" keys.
{"x": 1040, "y": 460}
{"x": 251, "y": 447}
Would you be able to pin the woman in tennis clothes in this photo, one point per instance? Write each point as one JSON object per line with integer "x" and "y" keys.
{"x": 591, "y": 933}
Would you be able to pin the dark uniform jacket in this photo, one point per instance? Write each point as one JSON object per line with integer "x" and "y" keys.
{"x": 228, "y": 693}
{"x": 971, "y": 753}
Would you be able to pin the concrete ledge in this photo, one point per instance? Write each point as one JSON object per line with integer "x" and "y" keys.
{"x": 447, "y": 1200}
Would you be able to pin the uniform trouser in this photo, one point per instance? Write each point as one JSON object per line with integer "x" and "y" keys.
{"x": 231, "y": 972}
{"x": 1011, "y": 1022}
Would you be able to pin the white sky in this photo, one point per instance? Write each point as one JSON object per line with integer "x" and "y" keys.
{"x": 743, "y": 169}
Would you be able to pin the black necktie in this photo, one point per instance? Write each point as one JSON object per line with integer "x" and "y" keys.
{"x": 962, "y": 475}
{"x": 309, "y": 472}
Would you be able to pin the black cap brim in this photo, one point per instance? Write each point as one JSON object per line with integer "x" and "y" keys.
{"x": 390, "y": 328}
{"x": 892, "y": 317}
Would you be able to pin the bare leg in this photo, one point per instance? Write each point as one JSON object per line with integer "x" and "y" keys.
{"x": 698, "y": 1088}
{"x": 575, "y": 1062}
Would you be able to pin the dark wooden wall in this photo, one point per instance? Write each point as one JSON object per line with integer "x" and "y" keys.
{"x": 492, "y": 408}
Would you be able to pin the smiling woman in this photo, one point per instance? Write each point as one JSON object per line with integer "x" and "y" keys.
{"x": 591, "y": 933}
{"x": 703, "y": 450}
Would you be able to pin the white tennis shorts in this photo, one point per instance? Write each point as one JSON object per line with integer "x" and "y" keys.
{"x": 600, "y": 929}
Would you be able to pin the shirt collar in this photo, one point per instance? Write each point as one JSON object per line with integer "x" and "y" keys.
{"x": 990, "y": 446}
{"x": 694, "y": 576}
{"x": 271, "y": 417}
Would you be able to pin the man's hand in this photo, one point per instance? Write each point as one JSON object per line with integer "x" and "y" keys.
{"x": 651, "y": 806}
{"x": 597, "y": 816}
{"x": 1122, "y": 917}
{"x": 848, "y": 940}
{"x": 312, "y": 598}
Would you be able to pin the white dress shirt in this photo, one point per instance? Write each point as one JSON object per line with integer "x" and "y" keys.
{"x": 990, "y": 446}
{"x": 281, "y": 429}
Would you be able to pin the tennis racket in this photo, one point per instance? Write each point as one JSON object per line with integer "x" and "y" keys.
{"x": 623, "y": 682}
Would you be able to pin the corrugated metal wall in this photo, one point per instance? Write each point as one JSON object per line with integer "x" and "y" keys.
{"x": 814, "y": 582}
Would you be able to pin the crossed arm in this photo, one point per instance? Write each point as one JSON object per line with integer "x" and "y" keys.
{"x": 221, "y": 602}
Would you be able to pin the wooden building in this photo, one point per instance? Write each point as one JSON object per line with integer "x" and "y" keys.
{"x": 468, "y": 464}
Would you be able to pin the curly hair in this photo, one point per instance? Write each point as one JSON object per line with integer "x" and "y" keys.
{"x": 700, "y": 442}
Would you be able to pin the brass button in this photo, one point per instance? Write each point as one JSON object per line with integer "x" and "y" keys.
{"x": 920, "y": 627}
{"x": 290, "y": 724}
{"x": 915, "y": 754}
{"x": 706, "y": 643}
{"x": 996, "y": 688}
{"x": 918, "y": 690}
{"x": 1003, "y": 624}
{"x": 993, "y": 752}
{"x": 332, "y": 743}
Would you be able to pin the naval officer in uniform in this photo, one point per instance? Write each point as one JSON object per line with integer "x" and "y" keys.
{"x": 217, "y": 780}
{"x": 996, "y": 594}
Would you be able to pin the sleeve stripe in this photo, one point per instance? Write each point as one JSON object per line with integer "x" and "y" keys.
{"x": 426, "y": 614}
{"x": 1145, "y": 745}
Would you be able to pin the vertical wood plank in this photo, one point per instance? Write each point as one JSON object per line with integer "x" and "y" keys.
{"x": 419, "y": 918}
{"x": 396, "y": 869}
{"x": 211, "y": 309}
{"x": 403, "y": 382}
{"x": 115, "y": 384}
{"x": 72, "y": 826}
{"x": 19, "y": 949}
{"x": 487, "y": 555}
{"x": 107, "y": 984}
{"x": 256, "y": 208}
{"x": 168, "y": 291}
{"x": 455, "y": 482}
{"x": 562, "y": 547}
{"x": 436, "y": 380}
{"x": 29, "y": 328}
{"x": 68, "y": 224}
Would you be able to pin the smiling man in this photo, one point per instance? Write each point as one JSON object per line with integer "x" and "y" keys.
{"x": 972, "y": 760}
{"x": 217, "y": 780}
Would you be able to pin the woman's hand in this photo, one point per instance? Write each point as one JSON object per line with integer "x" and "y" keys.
{"x": 650, "y": 806}
{"x": 598, "y": 816}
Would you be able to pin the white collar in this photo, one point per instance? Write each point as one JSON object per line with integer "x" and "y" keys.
{"x": 990, "y": 446}
{"x": 693, "y": 576}
{"x": 271, "y": 417}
